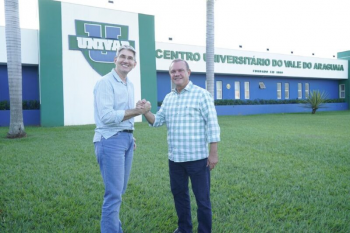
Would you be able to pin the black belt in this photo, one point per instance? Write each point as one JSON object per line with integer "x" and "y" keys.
{"x": 128, "y": 131}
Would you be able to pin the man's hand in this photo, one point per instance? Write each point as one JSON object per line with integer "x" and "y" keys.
{"x": 213, "y": 155}
{"x": 140, "y": 104}
{"x": 134, "y": 143}
{"x": 144, "y": 106}
{"x": 147, "y": 107}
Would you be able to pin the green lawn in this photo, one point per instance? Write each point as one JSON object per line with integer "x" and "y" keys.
{"x": 276, "y": 173}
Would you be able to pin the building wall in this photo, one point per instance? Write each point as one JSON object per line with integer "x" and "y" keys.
{"x": 77, "y": 47}
{"x": 251, "y": 63}
{"x": 270, "y": 92}
{"x": 346, "y": 56}
{"x": 243, "y": 66}
{"x": 29, "y": 46}
{"x": 30, "y": 83}
{"x": 331, "y": 87}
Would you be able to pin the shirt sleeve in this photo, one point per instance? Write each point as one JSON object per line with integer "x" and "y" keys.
{"x": 160, "y": 116}
{"x": 210, "y": 116}
{"x": 104, "y": 96}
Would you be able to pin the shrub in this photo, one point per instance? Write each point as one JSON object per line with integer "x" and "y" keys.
{"x": 4, "y": 105}
{"x": 31, "y": 104}
{"x": 26, "y": 105}
{"x": 316, "y": 100}
{"x": 262, "y": 101}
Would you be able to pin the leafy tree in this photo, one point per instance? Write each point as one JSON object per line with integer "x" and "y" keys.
{"x": 14, "y": 68}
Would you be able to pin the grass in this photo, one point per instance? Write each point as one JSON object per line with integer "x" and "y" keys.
{"x": 276, "y": 173}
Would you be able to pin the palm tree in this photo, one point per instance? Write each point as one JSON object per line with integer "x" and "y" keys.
{"x": 14, "y": 68}
{"x": 315, "y": 100}
{"x": 210, "y": 47}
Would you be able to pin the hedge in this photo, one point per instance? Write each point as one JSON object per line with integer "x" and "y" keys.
{"x": 262, "y": 102}
{"x": 26, "y": 105}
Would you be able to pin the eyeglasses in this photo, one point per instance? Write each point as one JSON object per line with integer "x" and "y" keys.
{"x": 129, "y": 58}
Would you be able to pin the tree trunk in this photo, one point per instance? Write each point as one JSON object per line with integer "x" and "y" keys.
{"x": 14, "y": 68}
{"x": 210, "y": 47}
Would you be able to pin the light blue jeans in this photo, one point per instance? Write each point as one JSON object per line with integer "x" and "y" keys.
{"x": 114, "y": 155}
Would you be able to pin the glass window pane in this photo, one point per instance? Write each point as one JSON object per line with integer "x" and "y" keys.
{"x": 342, "y": 91}
{"x": 307, "y": 90}
{"x": 279, "y": 87}
{"x": 219, "y": 90}
{"x": 300, "y": 91}
{"x": 246, "y": 90}
{"x": 237, "y": 91}
{"x": 286, "y": 90}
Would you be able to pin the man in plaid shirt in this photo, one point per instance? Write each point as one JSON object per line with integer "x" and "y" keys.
{"x": 190, "y": 116}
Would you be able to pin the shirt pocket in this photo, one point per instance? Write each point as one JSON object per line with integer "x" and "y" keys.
{"x": 190, "y": 112}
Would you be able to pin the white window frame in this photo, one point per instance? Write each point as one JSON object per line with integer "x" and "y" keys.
{"x": 246, "y": 91}
{"x": 342, "y": 91}
{"x": 279, "y": 91}
{"x": 307, "y": 90}
{"x": 219, "y": 90}
{"x": 300, "y": 90}
{"x": 237, "y": 90}
{"x": 286, "y": 91}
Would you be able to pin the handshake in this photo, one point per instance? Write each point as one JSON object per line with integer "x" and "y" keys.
{"x": 144, "y": 106}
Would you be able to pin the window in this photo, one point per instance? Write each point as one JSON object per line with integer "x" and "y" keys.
{"x": 237, "y": 91}
{"x": 342, "y": 91}
{"x": 262, "y": 85}
{"x": 219, "y": 90}
{"x": 286, "y": 91}
{"x": 246, "y": 90}
{"x": 300, "y": 91}
{"x": 307, "y": 90}
{"x": 279, "y": 91}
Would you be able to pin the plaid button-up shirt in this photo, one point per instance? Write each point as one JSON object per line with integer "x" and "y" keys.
{"x": 191, "y": 120}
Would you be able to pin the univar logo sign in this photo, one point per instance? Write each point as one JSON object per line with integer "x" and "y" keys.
{"x": 99, "y": 42}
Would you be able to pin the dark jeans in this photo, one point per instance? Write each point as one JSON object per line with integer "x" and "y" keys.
{"x": 199, "y": 174}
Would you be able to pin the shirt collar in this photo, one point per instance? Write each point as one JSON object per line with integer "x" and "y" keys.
{"x": 116, "y": 76}
{"x": 187, "y": 88}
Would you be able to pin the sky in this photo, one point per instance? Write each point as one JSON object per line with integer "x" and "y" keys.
{"x": 306, "y": 27}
